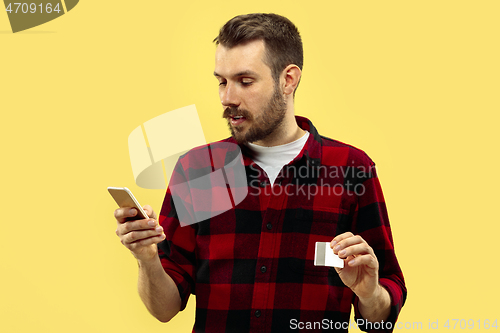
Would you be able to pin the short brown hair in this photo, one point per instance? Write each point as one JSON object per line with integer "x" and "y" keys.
{"x": 281, "y": 38}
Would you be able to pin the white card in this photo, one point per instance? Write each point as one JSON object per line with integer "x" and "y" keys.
{"x": 323, "y": 256}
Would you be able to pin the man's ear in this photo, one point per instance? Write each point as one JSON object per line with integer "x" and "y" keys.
{"x": 291, "y": 77}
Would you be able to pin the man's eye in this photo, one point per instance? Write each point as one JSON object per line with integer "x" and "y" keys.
{"x": 222, "y": 83}
{"x": 246, "y": 83}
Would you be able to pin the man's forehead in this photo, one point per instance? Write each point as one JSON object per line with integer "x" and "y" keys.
{"x": 241, "y": 73}
{"x": 240, "y": 59}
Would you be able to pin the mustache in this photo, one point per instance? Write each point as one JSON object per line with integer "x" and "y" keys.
{"x": 232, "y": 111}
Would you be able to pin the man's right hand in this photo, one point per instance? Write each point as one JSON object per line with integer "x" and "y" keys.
{"x": 139, "y": 236}
{"x": 156, "y": 288}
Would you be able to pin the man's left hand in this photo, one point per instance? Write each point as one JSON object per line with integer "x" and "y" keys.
{"x": 360, "y": 272}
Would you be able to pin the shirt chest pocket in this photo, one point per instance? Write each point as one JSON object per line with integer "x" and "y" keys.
{"x": 304, "y": 229}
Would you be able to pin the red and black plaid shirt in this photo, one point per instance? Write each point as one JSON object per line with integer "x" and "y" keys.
{"x": 252, "y": 267}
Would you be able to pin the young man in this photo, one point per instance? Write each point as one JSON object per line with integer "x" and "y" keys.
{"x": 251, "y": 267}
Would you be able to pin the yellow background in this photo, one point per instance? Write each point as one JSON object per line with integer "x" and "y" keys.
{"x": 413, "y": 83}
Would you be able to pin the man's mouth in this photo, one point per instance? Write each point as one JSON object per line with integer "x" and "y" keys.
{"x": 237, "y": 120}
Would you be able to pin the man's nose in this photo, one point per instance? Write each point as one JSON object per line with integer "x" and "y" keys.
{"x": 229, "y": 95}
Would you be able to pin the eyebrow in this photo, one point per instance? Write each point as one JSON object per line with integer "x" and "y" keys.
{"x": 243, "y": 73}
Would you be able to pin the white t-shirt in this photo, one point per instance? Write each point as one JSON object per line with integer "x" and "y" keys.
{"x": 272, "y": 159}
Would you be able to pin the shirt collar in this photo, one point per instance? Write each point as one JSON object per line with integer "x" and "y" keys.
{"x": 313, "y": 148}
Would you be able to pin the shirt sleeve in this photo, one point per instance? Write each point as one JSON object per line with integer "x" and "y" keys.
{"x": 177, "y": 251}
{"x": 371, "y": 222}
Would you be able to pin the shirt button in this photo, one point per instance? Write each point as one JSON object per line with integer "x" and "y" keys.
{"x": 263, "y": 184}
{"x": 269, "y": 226}
{"x": 257, "y": 313}
{"x": 263, "y": 269}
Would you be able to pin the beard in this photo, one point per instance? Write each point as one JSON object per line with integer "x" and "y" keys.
{"x": 262, "y": 125}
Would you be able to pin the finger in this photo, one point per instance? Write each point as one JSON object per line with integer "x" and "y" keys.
{"x": 125, "y": 213}
{"x": 149, "y": 210}
{"x": 146, "y": 242}
{"x": 135, "y": 225}
{"x": 140, "y": 235}
{"x": 339, "y": 238}
{"x": 338, "y": 269}
{"x": 366, "y": 260}
{"x": 355, "y": 250}
{"x": 346, "y": 242}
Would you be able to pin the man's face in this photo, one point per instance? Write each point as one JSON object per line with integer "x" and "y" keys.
{"x": 254, "y": 105}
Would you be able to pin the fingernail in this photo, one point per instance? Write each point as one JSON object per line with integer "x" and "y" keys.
{"x": 132, "y": 211}
{"x": 337, "y": 247}
{"x": 352, "y": 262}
{"x": 158, "y": 229}
{"x": 151, "y": 223}
{"x": 333, "y": 244}
{"x": 341, "y": 253}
